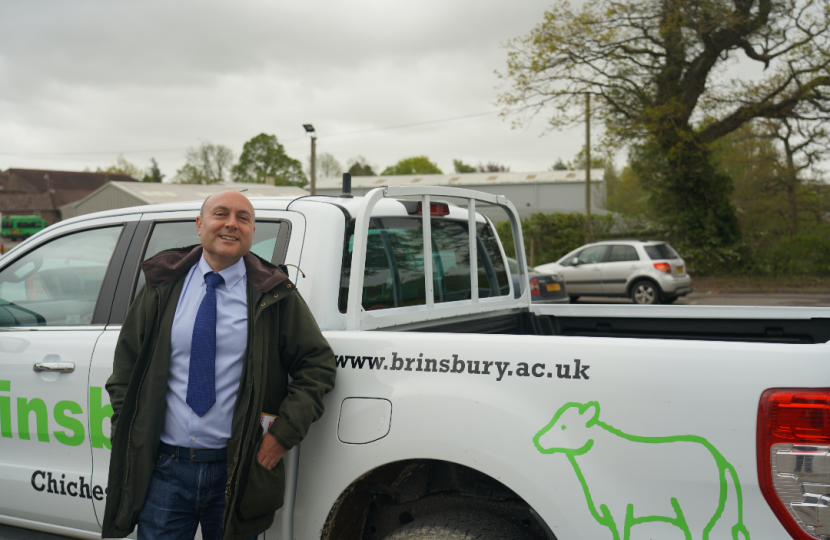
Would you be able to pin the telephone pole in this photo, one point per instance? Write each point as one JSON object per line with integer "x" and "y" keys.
{"x": 587, "y": 154}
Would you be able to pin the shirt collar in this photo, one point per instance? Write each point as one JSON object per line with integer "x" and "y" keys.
{"x": 232, "y": 274}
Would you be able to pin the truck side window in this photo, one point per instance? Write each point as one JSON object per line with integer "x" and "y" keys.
{"x": 395, "y": 263}
{"x": 176, "y": 234}
{"x": 58, "y": 283}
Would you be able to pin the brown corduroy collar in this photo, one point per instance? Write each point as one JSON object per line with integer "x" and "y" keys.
{"x": 168, "y": 265}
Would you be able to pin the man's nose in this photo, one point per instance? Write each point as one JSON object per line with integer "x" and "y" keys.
{"x": 231, "y": 222}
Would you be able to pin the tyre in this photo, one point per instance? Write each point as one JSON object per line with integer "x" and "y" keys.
{"x": 459, "y": 526}
{"x": 574, "y": 299}
{"x": 645, "y": 292}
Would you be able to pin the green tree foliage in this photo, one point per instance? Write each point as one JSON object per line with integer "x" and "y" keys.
{"x": 122, "y": 166}
{"x": 461, "y": 167}
{"x": 263, "y": 157}
{"x": 624, "y": 194}
{"x": 413, "y": 165}
{"x": 153, "y": 174}
{"x": 779, "y": 197}
{"x": 206, "y": 164}
{"x": 559, "y": 165}
{"x": 655, "y": 68}
{"x": 492, "y": 167}
{"x": 359, "y": 166}
{"x": 548, "y": 237}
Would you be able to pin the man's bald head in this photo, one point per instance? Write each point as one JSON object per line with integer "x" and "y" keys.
{"x": 226, "y": 228}
{"x": 205, "y": 203}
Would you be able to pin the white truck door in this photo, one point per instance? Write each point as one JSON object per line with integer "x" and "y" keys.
{"x": 54, "y": 301}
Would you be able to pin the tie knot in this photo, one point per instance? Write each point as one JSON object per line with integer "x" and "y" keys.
{"x": 212, "y": 279}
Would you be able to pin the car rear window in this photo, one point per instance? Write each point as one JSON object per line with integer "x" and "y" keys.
{"x": 661, "y": 251}
{"x": 394, "y": 275}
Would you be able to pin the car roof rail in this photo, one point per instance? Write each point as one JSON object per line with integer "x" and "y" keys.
{"x": 359, "y": 319}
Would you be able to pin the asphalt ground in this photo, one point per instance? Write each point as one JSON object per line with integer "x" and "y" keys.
{"x": 710, "y": 298}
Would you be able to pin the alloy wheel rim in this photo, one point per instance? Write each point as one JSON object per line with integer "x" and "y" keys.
{"x": 644, "y": 294}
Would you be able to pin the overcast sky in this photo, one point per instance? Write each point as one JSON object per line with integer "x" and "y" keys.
{"x": 85, "y": 81}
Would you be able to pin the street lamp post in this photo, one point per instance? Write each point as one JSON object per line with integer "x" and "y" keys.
{"x": 310, "y": 130}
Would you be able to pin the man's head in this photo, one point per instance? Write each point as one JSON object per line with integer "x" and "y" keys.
{"x": 226, "y": 228}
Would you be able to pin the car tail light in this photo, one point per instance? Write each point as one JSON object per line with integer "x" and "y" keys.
{"x": 794, "y": 459}
{"x": 435, "y": 209}
{"x": 534, "y": 287}
{"x": 663, "y": 267}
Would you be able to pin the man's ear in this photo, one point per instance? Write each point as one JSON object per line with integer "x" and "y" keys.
{"x": 199, "y": 225}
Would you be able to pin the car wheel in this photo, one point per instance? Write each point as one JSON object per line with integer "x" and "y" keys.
{"x": 459, "y": 526}
{"x": 645, "y": 292}
{"x": 574, "y": 299}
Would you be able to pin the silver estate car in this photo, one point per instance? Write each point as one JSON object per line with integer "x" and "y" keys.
{"x": 647, "y": 271}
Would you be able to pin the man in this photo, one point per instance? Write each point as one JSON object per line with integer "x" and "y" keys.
{"x": 205, "y": 350}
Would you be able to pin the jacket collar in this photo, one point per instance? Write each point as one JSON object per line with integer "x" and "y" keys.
{"x": 169, "y": 265}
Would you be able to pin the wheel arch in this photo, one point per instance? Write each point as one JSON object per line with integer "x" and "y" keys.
{"x": 393, "y": 494}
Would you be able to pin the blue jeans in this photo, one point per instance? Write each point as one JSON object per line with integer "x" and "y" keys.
{"x": 182, "y": 495}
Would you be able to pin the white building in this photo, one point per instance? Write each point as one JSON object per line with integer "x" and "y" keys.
{"x": 540, "y": 192}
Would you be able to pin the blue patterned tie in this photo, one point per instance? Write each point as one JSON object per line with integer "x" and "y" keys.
{"x": 201, "y": 382}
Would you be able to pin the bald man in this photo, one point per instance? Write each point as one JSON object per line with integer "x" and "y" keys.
{"x": 203, "y": 356}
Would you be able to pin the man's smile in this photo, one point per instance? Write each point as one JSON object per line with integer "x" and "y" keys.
{"x": 230, "y": 238}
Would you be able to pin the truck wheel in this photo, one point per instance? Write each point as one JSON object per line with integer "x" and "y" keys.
{"x": 459, "y": 526}
{"x": 645, "y": 292}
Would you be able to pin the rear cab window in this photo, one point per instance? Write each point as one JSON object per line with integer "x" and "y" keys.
{"x": 176, "y": 234}
{"x": 394, "y": 275}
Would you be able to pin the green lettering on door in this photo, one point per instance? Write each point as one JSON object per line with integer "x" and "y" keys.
{"x": 37, "y": 406}
{"x": 97, "y": 415}
{"x": 6, "y": 410}
{"x": 68, "y": 422}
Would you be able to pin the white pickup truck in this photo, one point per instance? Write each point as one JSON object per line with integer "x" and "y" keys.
{"x": 460, "y": 411}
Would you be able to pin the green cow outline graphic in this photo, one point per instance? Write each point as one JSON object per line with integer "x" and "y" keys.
{"x": 604, "y": 517}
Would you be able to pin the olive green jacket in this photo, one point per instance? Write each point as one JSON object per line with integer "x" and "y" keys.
{"x": 283, "y": 339}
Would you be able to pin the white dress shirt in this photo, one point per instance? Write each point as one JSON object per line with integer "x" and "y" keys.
{"x": 182, "y": 426}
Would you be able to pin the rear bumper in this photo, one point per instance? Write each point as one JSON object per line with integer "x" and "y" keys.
{"x": 675, "y": 286}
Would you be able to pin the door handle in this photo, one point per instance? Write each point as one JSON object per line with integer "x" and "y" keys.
{"x": 56, "y": 367}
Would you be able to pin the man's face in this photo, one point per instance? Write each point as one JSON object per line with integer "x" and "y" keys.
{"x": 226, "y": 228}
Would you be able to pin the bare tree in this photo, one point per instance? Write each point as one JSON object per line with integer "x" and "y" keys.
{"x": 805, "y": 144}
{"x": 206, "y": 164}
{"x": 328, "y": 166}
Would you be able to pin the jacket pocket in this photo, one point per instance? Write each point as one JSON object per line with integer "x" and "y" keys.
{"x": 265, "y": 490}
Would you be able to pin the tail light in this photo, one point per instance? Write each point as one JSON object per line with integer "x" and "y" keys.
{"x": 663, "y": 267}
{"x": 534, "y": 287}
{"x": 794, "y": 459}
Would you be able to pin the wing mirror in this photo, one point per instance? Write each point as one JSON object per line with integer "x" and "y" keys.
{"x": 575, "y": 261}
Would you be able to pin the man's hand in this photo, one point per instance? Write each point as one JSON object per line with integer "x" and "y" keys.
{"x": 270, "y": 451}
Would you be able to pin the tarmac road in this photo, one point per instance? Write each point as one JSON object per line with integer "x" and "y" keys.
{"x": 742, "y": 299}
